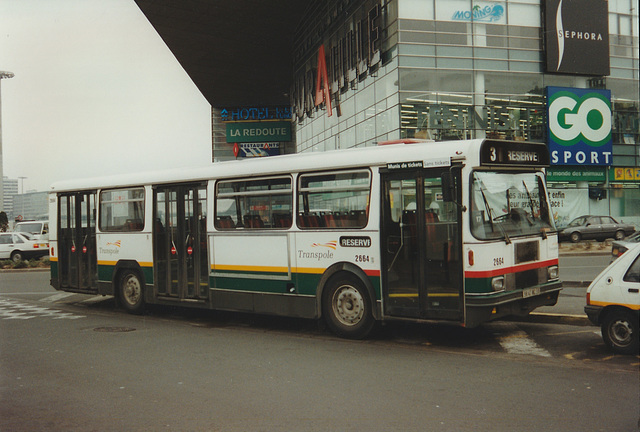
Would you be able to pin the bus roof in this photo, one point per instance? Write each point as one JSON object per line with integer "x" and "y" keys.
{"x": 338, "y": 159}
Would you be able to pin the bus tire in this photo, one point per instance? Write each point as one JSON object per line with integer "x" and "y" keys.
{"x": 347, "y": 307}
{"x": 130, "y": 291}
{"x": 620, "y": 331}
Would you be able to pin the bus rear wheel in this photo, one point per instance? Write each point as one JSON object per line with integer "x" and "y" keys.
{"x": 347, "y": 307}
{"x": 131, "y": 293}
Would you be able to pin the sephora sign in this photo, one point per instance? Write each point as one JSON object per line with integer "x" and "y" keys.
{"x": 577, "y": 37}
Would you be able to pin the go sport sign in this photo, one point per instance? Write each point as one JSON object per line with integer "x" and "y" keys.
{"x": 579, "y": 126}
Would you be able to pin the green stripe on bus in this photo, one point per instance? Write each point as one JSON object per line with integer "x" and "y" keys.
{"x": 105, "y": 273}
{"x": 304, "y": 283}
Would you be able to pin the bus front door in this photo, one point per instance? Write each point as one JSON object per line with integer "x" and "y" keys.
{"x": 180, "y": 243}
{"x": 77, "y": 258}
{"x": 422, "y": 265}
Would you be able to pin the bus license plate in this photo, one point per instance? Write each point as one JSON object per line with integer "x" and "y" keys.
{"x": 530, "y": 292}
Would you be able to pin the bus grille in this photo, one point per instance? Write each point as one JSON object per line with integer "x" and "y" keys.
{"x": 526, "y": 279}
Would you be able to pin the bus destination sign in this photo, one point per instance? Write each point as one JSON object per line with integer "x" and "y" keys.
{"x": 510, "y": 153}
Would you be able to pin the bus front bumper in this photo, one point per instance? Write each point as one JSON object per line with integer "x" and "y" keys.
{"x": 480, "y": 308}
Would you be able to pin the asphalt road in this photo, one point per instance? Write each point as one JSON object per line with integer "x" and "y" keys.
{"x": 76, "y": 363}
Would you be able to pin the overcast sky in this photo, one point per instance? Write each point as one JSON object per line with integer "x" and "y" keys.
{"x": 96, "y": 92}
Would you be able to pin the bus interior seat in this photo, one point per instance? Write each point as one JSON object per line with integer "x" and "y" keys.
{"x": 253, "y": 221}
{"x": 225, "y": 222}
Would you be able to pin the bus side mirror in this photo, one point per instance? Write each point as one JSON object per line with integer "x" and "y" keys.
{"x": 447, "y": 187}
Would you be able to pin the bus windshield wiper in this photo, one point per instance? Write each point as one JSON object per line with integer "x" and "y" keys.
{"x": 488, "y": 208}
{"x": 533, "y": 214}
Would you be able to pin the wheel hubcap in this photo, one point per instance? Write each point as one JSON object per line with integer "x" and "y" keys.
{"x": 621, "y": 332}
{"x": 132, "y": 291}
{"x": 348, "y": 305}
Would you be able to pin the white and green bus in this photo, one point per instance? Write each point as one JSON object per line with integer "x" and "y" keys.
{"x": 458, "y": 231}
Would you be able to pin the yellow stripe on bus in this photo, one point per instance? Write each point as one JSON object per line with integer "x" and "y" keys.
{"x": 428, "y": 295}
{"x": 267, "y": 269}
{"x": 245, "y": 268}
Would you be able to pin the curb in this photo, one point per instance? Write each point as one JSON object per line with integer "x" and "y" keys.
{"x": 551, "y": 318}
{"x": 25, "y": 269}
{"x": 575, "y": 284}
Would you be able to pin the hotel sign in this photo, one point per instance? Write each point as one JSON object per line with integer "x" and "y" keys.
{"x": 579, "y": 126}
{"x": 576, "y": 37}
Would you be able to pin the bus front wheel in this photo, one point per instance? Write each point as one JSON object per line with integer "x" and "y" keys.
{"x": 131, "y": 295}
{"x": 347, "y": 307}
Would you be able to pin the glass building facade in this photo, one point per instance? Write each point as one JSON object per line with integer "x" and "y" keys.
{"x": 459, "y": 69}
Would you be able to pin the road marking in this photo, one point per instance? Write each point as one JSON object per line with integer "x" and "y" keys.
{"x": 12, "y": 310}
{"x": 519, "y": 343}
{"x": 515, "y": 341}
{"x": 95, "y": 299}
{"x": 56, "y": 297}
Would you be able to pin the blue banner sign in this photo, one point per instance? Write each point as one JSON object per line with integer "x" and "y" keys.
{"x": 255, "y": 113}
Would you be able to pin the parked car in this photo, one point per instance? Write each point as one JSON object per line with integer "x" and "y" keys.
{"x": 19, "y": 246}
{"x": 613, "y": 302}
{"x": 619, "y": 247}
{"x": 595, "y": 228}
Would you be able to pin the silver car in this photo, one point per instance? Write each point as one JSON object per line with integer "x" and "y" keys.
{"x": 595, "y": 228}
{"x": 619, "y": 247}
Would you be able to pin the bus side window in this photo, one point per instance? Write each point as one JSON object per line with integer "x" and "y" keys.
{"x": 264, "y": 203}
{"x": 334, "y": 199}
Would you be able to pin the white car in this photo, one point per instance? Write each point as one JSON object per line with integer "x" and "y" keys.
{"x": 38, "y": 229}
{"x": 20, "y": 246}
{"x": 613, "y": 302}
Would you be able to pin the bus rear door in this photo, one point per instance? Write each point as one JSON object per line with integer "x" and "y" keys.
{"x": 421, "y": 242}
{"x": 180, "y": 242}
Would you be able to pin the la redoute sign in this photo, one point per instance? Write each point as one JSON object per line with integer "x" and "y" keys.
{"x": 579, "y": 126}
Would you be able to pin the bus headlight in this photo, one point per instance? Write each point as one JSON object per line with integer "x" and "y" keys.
{"x": 553, "y": 272}
{"x": 497, "y": 283}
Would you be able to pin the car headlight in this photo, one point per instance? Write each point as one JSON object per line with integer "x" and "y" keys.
{"x": 553, "y": 272}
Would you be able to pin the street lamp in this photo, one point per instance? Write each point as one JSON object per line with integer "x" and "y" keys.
{"x": 3, "y": 75}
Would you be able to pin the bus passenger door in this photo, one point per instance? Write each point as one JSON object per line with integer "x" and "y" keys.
{"x": 180, "y": 242}
{"x": 77, "y": 258}
{"x": 422, "y": 266}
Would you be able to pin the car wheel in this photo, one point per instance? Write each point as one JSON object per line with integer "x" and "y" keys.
{"x": 16, "y": 256}
{"x": 131, "y": 292}
{"x": 620, "y": 331}
{"x": 619, "y": 235}
{"x": 575, "y": 237}
{"x": 347, "y": 307}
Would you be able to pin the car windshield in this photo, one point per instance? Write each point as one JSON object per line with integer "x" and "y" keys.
{"x": 33, "y": 228}
{"x": 509, "y": 204}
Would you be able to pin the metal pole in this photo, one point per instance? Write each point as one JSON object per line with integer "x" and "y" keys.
{"x": 3, "y": 75}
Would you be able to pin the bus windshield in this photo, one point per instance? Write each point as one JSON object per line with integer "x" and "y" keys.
{"x": 507, "y": 204}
